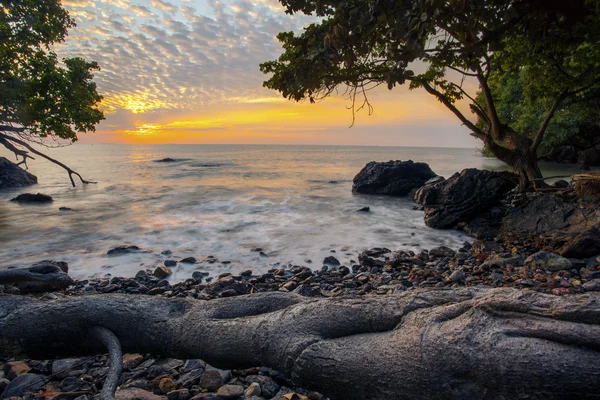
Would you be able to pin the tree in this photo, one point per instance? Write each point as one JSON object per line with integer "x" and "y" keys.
{"x": 40, "y": 97}
{"x": 576, "y": 123}
{"x": 438, "y": 45}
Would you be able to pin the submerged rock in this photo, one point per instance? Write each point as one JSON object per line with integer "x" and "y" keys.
{"x": 166, "y": 160}
{"x": 33, "y": 198}
{"x": 463, "y": 196}
{"x": 395, "y": 178}
{"x": 125, "y": 249}
{"x": 12, "y": 176}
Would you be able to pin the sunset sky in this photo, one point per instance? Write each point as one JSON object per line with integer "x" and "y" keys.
{"x": 186, "y": 71}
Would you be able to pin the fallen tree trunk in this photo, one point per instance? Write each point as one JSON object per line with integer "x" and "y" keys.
{"x": 423, "y": 344}
{"x": 40, "y": 277}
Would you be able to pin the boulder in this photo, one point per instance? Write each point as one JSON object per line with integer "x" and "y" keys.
{"x": 590, "y": 156}
{"x": 12, "y": 176}
{"x": 396, "y": 178}
{"x": 23, "y": 384}
{"x": 33, "y": 198}
{"x": 584, "y": 245}
{"x": 547, "y": 261}
{"x": 463, "y": 196}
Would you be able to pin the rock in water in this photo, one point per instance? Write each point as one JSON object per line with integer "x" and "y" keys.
{"x": 33, "y": 198}
{"x": 396, "y": 178}
{"x": 11, "y": 175}
{"x": 123, "y": 250}
{"x": 463, "y": 196}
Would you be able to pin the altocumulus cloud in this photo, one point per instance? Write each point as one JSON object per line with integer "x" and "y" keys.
{"x": 160, "y": 55}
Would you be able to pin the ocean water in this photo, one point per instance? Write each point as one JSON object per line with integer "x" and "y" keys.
{"x": 294, "y": 202}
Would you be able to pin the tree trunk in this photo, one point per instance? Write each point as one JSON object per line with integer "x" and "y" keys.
{"x": 422, "y": 344}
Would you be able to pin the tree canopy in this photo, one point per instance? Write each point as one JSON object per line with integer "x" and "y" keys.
{"x": 438, "y": 45}
{"x": 40, "y": 96}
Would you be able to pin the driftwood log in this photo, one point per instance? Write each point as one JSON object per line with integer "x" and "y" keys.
{"x": 423, "y": 344}
{"x": 44, "y": 276}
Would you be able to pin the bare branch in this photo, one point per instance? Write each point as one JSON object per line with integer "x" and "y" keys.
{"x": 8, "y": 138}
{"x": 540, "y": 133}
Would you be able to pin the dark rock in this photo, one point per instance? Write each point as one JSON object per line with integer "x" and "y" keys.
{"x": 331, "y": 260}
{"x": 230, "y": 392}
{"x": 170, "y": 263}
{"x": 268, "y": 386}
{"x": 562, "y": 154}
{"x": 188, "y": 260}
{"x": 442, "y": 251}
{"x": 463, "y": 196}
{"x": 263, "y": 254}
{"x": 211, "y": 380}
{"x": 562, "y": 184}
{"x": 395, "y": 178}
{"x": 198, "y": 275}
{"x": 364, "y": 209}
{"x": 12, "y": 176}
{"x": 374, "y": 257}
{"x": 13, "y": 369}
{"x": 65, "y": 209}
{"x": 590, "y": 156}
{"x": 23, "y": 384}
{"x": 547, "y": 261}
{"x": 137, "y": 394}
{"x": 162, "y": 272}
{"x": 33, "y": 198}
{"x": 125, "y": 249}
{"x": 166, "y": 160}
{"x": 584, "y": 245}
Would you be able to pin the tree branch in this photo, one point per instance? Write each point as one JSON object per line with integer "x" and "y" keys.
{"x": 476, "y": 131}
{"x": 34, "y": 151}
{"x": 540, "y": 133}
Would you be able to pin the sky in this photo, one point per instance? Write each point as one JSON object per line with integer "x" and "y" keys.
{"x": 186, "y": 71}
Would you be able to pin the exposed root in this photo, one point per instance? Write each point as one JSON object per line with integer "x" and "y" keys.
{"x": 115, "y": 366}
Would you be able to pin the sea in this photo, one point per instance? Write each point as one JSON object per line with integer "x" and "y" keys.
{"x": 219, "y": 202}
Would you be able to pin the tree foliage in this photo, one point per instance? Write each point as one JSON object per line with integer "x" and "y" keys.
{"x": 40, "y": 96}
{"x": 438, "y": 45}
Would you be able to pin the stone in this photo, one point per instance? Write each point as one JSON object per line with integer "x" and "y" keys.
{"x": 442, "y": 251}
{"x": 23, "y": 384}
{"x": 364, "y": 209}
{"x": 4, "y": 383}
{"x": 125, "y": 249}
{"x": 12, "y": 176}
{"x": 503, "y": 262}
{"x": 547, "y": 261}
{"x": 167, "y": 385}
{"x": 137, "y": 394}
{"x": 587, "y": 244}
{"x": 192, "y": 364}
{"x": 458, "y": 276}
{"x": 188, "y": 260}
{"x": 166, "y": 160}
{"x": 13, "y": 369}
{"x": 253, "y": 390}
{"x": 268, "y": 386}
{"x": 131, "y": 361}
{"x": 396, "y": 178}
{"x": 592, "y": 286}
{"x": 463, "y": 196}
{"x": 61, "y": 368}
{"x": 230, "y": 392}
{"x": 211, "y": 380}
{"x": 33, "y": 198}
{"x": 181, "y": 394}
{"x": 170, "y": 263}
{"x": 374, "y": 257}
{"x": 162, "y": 272}
{"x": 331, "y": 260}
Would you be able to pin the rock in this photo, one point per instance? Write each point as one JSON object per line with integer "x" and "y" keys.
{"x": 130, "y": 361}
{"x": 61, "y": 368}
{"x": 33, "y": 198}
{"x": 364, "y": 209}
{"x": 23, "y": 384}
{"x": 588, "y": 187}
{"x": 562, "y": 154}
{"x": 167, "y": 385}
{"x": 268, "y": 386}
{"x": 503, "y": 262}
{"x": 141, "y": 274}
{"x": 592, "y": 286}
{"x": 181, "y": 394}
{"x": 12, "y": 176}
{"x": 289, "y": 286}
{"x": 137, "y": 394}
{"x": 331, "y": 260}
{"x": 211, "y": 380}
{"x": 442, "y": 251}
{"x": 189, "y": 260}
{"x": 65, "y": 209}
{"x": 584, "y": 245}
{"x": 192, "y": 364}
{"x": 463, "y": 196}
{"x": 395, "y": 178}
{"x": 590, "y": 156}
{"x": 374, "y": 257}
{"x": 230, "y": 392}
{"x": 458, "y": 276}
{"x": 547, "y": 261}
{"x": 13, "y": 369}
{"x": 123, "y": 250}
{"x": 485, "y": 248}
{"x": 253, "y": 390}
{"x": 561, "y": 184}
{"x": 170, "y": 263}
{"x": 4, "y": 383}
{"x": 162, "y": 272}
{"x": 166, "y": 160}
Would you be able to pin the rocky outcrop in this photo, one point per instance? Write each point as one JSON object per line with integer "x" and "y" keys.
{"x": 33, "y": 198}
{"x": 463, "y": 196}
{"x": 396, "y": 178}
{"x": 11, "y": 175}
